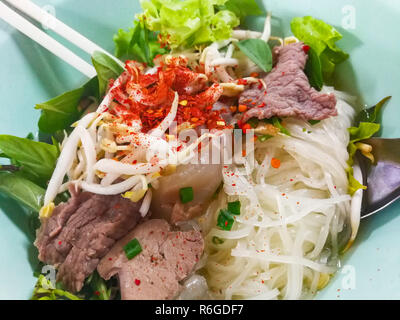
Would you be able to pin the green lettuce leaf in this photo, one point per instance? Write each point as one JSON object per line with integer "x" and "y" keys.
{"x": 242, "y": 8}
{"x": 188, "y": 23}
{"x": 322, "y": 38}
{"x": 138, "y": 43}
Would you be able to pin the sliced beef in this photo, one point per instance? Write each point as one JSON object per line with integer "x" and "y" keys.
{"x": 288, "y": 92}
{"x": 82, "y": 231}
{"x": 167, "y": 258}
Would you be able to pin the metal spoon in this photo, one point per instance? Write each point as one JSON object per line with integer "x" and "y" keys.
{"x": 381, "y": 178}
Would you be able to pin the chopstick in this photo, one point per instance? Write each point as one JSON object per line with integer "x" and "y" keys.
{"x": 30, "y": 30}
{"x": 40, "y": 15}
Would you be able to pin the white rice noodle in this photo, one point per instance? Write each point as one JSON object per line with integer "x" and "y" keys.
{"x": 292, "y": 217}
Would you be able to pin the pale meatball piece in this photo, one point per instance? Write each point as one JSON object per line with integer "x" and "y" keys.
{"x": 204, "y": 179}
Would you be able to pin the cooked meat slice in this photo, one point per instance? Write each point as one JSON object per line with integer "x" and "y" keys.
{"x": 81, "y": 231}
{"x": 288, "y": 92}
{"x": 204, "y": 179}
{"x": 167, "y": 258}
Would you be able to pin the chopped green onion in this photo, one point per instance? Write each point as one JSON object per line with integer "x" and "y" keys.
{"x": 225, "y": 220}
{"x": 217, "y": 240}
{"x": 186, "y": 194}
{"x": 277, "y": 123}
{"x": 132, "y": 249}
{"x": 314, "y": 122}
{"x": 234, "y": 207}
{"x": 265, "y": 138}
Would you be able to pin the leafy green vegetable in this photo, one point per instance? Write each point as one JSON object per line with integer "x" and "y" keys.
{"x": 138, "y": 43}
{"x": 313, "y": 70}
{"x": 322, "y": 38}
{"x": 242, "y": 8}
{"x": 107, "y": 68}
{"x": 132, "y": 249}
{"x": 371, "y": 115}
{"x": 60, "y": 112}
{"x": 188, "y": 23}
{"x": 225, "y": 220}
{"x": 98, "y": 288}
{"x": 258, "y": 51}
{"x": 314, "y": 122}
{"x": 22, "y": 190}
{"x": 36, "y": 159}
{"x": 186, "y": 195}
{"x": 366, "y": 129}
{"x": 44, "y": 290}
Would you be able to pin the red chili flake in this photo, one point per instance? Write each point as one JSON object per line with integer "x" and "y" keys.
{"x": 242, "y": 82}
{"x": 283, "y": 73}
{"x": 291, "y": 180}
{"x": 335, "y": 187}
{"x": 137, "y": 282}
{"x": 109, "y": 259}
{"x": 306, "y": 48}
{"x": 59, "y": 243}
{"x": 97, "y": 293}
{"x": 262, "y": 105}
{"x": 226, "y": 223}
{"x": 233, "y": 185}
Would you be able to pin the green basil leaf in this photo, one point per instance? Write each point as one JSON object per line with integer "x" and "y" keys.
{"x": 372, "y": 114}
{"x": 60, "y": 112}
{"x": 106, "y": 69}
{"x": 258, "y": 51}
{"x": 37, "y": 158}
{"x": 22, "y": 190}
{"x": 313, "y": 70}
